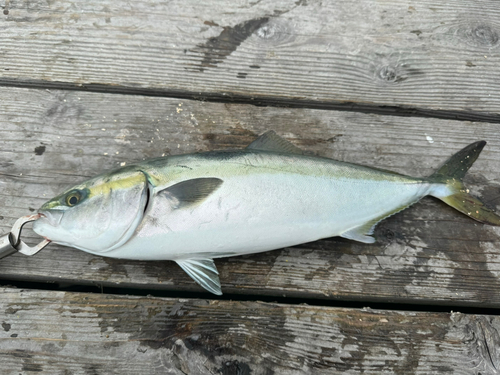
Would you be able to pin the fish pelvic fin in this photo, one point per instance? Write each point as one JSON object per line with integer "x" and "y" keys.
{"x": 450, "y": 189}
{"x": 204, "y": 272}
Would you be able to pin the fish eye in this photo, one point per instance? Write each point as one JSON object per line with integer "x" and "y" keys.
{"x": 73, "y": 198}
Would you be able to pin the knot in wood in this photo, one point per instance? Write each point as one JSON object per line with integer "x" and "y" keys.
{"x": 392, "y": 68}
{"x": 479, "y": 34}
{"x": 267, "y": 32}
{"x": 275, "y": 31}
{"x": 485, "y": 35}
{"x": 388, "y": 73}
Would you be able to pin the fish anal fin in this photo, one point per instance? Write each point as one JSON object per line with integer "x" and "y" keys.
{"x": 192, "y": 191}
{"x": 204, "y": 272}
{"x": 270, "y": 141}
{"x": 362, "y": 233}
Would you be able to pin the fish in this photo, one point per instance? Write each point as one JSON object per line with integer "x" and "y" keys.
{"x": 194, "y": 208}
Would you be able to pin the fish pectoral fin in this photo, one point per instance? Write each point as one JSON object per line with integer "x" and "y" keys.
{"x": 362, "y": 233}
{"x": 190, "y": 192}
{"x": 204, "y": 272}
{"x": 270, "y": 141}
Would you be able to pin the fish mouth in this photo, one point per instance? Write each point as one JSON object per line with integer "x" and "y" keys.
{"x": 53, "y": 217}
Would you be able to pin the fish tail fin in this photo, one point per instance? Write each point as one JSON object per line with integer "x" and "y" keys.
{"x": 448, "y": 185}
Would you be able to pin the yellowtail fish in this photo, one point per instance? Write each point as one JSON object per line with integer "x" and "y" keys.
{"x": 196, "y": 207}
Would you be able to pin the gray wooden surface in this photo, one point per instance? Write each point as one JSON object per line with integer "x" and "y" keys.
{"x": 78, "y": 333}
{"x": 428, "y": 254}
{"x": 88, "y": 86}
{"x": 434, "y": 56}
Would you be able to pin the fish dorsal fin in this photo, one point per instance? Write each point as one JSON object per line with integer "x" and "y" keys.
{"x": 190, "y": 192}
{"x": 204, "y": 272}
{"x": 270, "y": 141}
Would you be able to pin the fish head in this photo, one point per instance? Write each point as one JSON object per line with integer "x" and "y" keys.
{"x": 97, "y": 215}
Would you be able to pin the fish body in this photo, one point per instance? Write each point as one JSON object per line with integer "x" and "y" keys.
{"x": 197, "y": 207}
{"x": 265, "y": 201}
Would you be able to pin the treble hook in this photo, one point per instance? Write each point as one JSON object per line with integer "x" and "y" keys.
{"x": 11, "y": 243}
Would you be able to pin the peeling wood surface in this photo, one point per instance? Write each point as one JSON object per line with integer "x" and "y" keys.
{"x": 431, "y": 55}
{"x": 77, "y": 333}
{"x": 426, "y": 254}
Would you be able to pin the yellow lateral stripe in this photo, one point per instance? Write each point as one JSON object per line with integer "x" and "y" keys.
{"x": 117, "y": 182}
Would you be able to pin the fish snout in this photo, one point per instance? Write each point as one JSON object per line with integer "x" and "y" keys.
{"x": 53, "y": 217}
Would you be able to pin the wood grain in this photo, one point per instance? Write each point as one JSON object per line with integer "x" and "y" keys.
{"x": 426, "y": 254}
{"x": 433, "y": 56}
{"x": 77, "y": 333}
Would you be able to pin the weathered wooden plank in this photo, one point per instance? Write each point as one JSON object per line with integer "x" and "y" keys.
{"x": 428, "y": 253}
{"x": 77, "y": 333}
{"x": 434, "y": 55}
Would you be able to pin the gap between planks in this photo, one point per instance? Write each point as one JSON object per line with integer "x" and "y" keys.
{"x": 363, "y": 303}
{"x": 257, "y": 100}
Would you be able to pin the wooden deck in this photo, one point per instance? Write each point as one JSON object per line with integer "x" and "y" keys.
{"x": 88, "y": 86}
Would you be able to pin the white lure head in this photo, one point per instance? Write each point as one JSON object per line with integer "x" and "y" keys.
{"x": 97, "y": 215}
